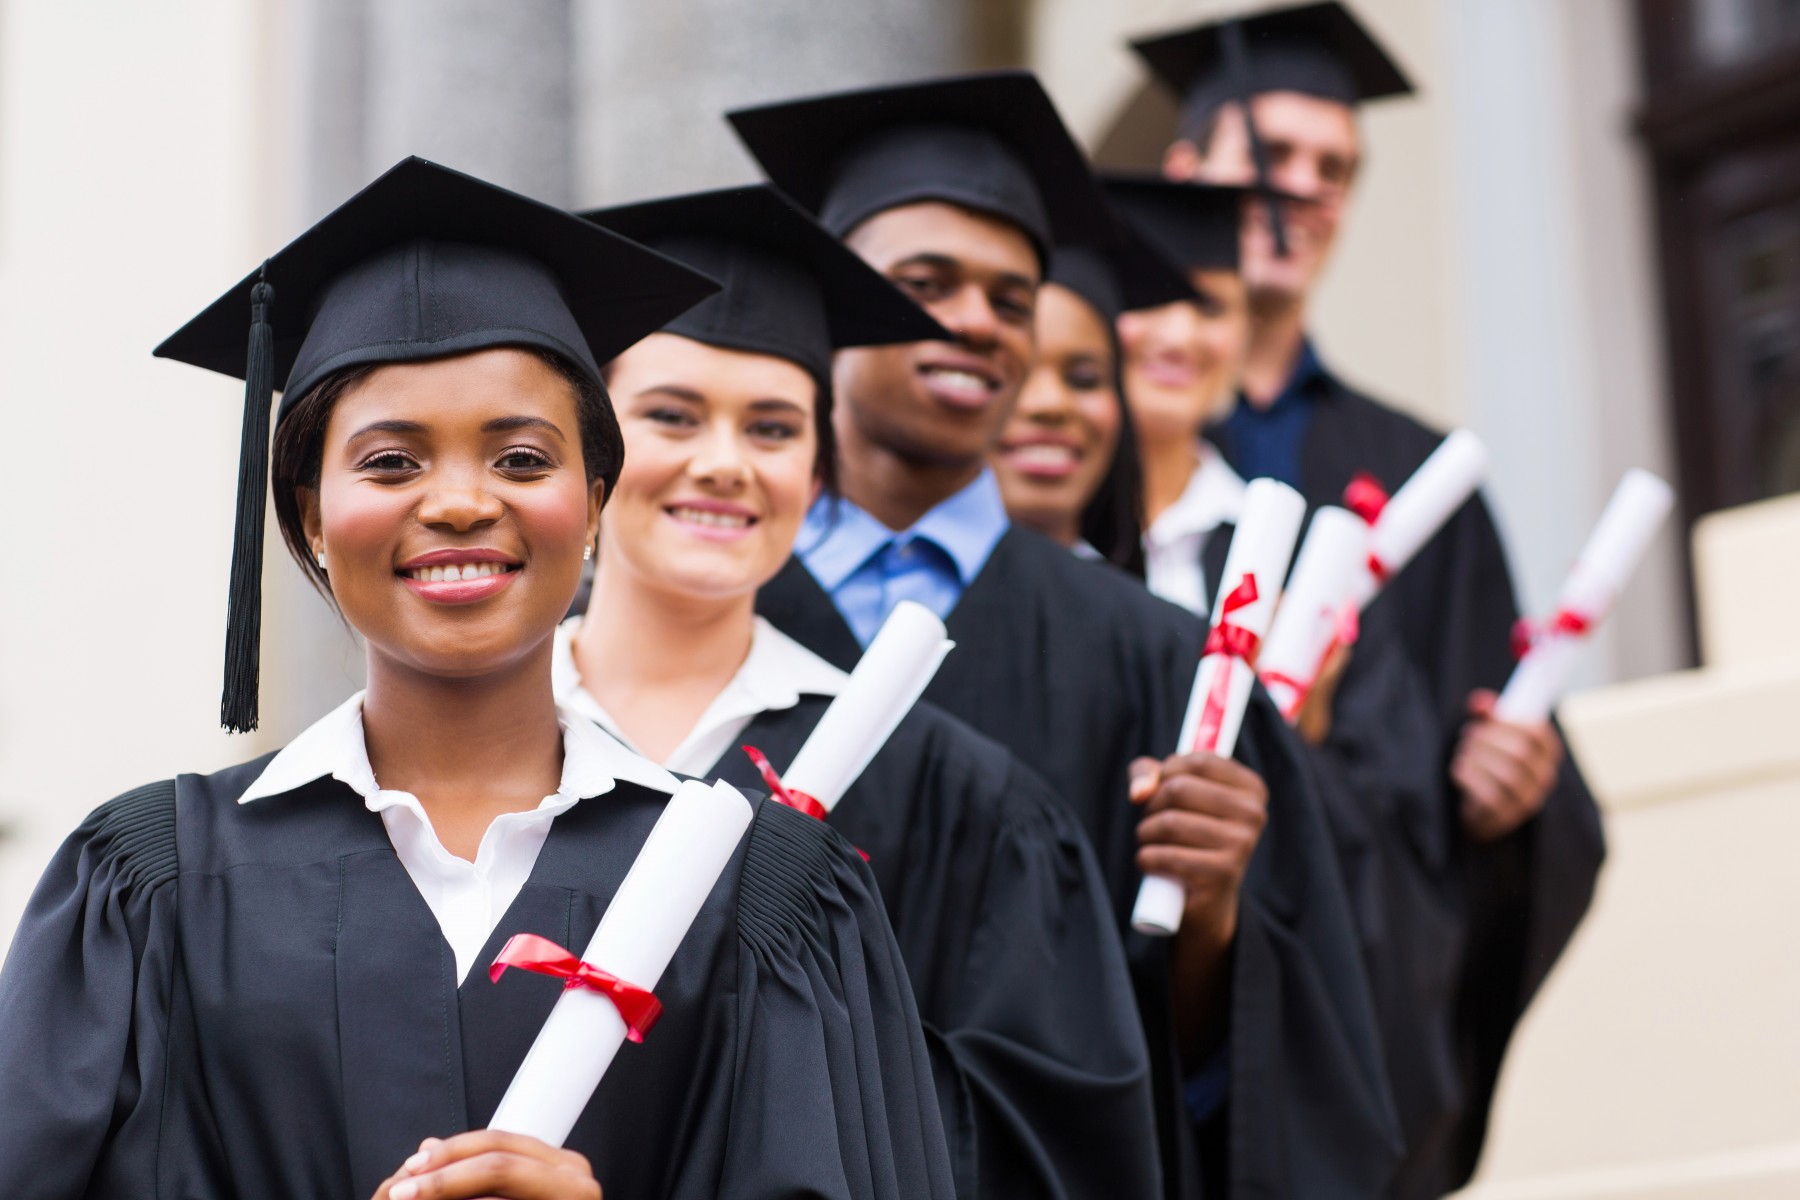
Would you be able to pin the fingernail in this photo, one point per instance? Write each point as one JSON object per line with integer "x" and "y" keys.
{"x": 404, "y": 1191}
{"x": 417, "y": 1162}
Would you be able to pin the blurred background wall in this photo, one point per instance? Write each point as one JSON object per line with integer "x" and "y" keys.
{"x": 1582, "y": 240}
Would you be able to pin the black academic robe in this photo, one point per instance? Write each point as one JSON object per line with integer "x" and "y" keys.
{"x": 209, "y": 1000}
{"x": 1003, "y": 921}
{"x": 1078, "y": 670}
{"x": 1459, "y": 935}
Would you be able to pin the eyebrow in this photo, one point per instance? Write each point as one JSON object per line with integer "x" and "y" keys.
{"x": 390, "y": 426}
{"x": 497, "y": 425}
{"x": 675, "y": 390}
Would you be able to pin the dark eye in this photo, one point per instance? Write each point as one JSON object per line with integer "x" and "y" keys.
{"x": 923, "y": 288}
{"x": 774, "y": 431}
{"x": 1014, "y": 307}
{"x": 671, "y": 416}
{"x": 523, "y": 458}
{"x": 1084, "y": 377}
{"x": 388, "y": 462}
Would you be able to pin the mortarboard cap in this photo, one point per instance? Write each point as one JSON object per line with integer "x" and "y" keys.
{"x": 788, "y": 288}
{"x": 1195, "y": 226}
{"x": 423, "y": 263}
{"x": 1319, "y": 49}
{"x": 991, "y": 141}
{"x": 1125, "y": 275}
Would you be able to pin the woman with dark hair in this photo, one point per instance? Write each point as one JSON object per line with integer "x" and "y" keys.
{"x": 993, "y": 892}
{"x": 268, "y": 981}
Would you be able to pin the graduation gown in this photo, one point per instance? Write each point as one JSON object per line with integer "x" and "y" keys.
{"x": 1078, "y": 670}
{"x": 213, "y": 1000}
{"x": 1003, "y": 921}
{"x": 1501, "y": 912}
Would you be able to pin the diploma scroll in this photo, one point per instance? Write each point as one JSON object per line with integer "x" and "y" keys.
{"x": 1612, "y": 552}
{"x": 1254, "y": 568}
{"x": 1419, "y": 509}
{"x": 888, "y": 680}
{"x": 657, "y": 902}
{"x": 1307, "y": 624}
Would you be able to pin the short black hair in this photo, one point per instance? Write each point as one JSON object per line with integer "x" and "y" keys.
{"x": 298, "y": 454}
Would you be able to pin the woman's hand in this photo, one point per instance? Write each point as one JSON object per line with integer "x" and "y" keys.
{"x": 490, "y": 1165}
{"x": 1314, "y": 720}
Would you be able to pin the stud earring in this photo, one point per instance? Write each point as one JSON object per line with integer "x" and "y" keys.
{"x": 320, "y": 557}
{"x": 587, "y": 552}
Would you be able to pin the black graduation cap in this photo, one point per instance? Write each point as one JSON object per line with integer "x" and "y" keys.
{"x": 1196, "y": 226}
{"x": 423, "y": 263}
{"x": 990, "y": 141}
{"x": 790, "y": 289}
{"x": 1127, "y": 274}
{"x": 1319, "y": 49}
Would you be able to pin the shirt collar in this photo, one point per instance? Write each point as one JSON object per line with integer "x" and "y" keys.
{"x": 838, "y": 537}
{"x": 1307, "y": 369}
{"x": 333, "y": 746}
{"x": 1214, "y": 496}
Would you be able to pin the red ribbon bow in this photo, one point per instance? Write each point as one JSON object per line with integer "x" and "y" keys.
{"x": 541, "y": 956}
{"x": 780, "y": 790}
{"x": 1365, "y": 497}
{"x": 1234, "y": 642}
{"x": 1526, "y": 632}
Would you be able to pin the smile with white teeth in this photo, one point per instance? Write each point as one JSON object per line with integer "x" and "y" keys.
{"x": 954, "y": 379}
{"x": 705, "y": 516}
{"x": 452, "y": 572}
{"x": 1044, "y": 454}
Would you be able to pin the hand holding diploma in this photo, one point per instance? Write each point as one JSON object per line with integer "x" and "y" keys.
{"x": 657, "y": 902}
{"x": 1254, "y": 568}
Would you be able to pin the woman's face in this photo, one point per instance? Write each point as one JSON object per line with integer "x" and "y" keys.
{"x": 720, "y": 454}
{"x": 1057, "y": 445}
{"x": 453, "y": 510}
{"x": 1182, "y": 361}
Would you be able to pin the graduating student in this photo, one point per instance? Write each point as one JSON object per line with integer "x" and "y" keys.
{"x": 1068, "y": 463}
{"x": 955, "y": 190}
{"x": 1512, "y": 837}
{"x": 271, "y": 981}
{"x": 1000, "y": 911}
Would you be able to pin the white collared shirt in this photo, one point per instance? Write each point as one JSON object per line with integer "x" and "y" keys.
{"x": 776, "y": 673}
{"x": 467, "y": 898}
{"x": 1213, "y": 497}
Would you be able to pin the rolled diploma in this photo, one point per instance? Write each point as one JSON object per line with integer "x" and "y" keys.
{"x": 1262, "y": 547}
{"x": 888, "y": 680}
{"x": 1335, "y": 550}
{"x": 1421, "y": 506}
{"x": 661, "y": 895}
{"x": 1612, "y": 552}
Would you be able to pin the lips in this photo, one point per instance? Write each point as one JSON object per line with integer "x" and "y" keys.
{"x": 1169, "y": 372}
{"x": 713, "y": 520}
{"x": 1042, "y": 458}
{"x": 964, "y": 384}
{"x": 459, "y": 575}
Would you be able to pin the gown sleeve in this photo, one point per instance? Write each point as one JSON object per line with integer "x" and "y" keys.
{"x": 84, "y": 1000}
{"x": 1045, "y": 1088}
{"x": 832, "y": 1083}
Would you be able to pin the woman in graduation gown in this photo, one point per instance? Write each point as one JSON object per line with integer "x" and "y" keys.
{"x": 1075, "y": 386}
{"x": 269, "y": 981}
{"x": 1002, "y": 917}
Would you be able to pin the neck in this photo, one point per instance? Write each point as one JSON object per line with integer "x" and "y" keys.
{"x": 894, "y": 489}
{"x": 655, "y": 658}
{"x": 1060, "y": 527}
{"x": 1278, "y": 328}
{"x": 1168, "y": 465}
{"x": 469, "y": 749}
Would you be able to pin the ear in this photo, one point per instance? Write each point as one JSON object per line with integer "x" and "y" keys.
{"x": 596, "y": 501}
{"x": 1181, "y": 161}
{"x": 310, "y": 521}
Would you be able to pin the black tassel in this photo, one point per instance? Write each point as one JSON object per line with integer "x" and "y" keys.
{"x": 243, "y": 625}
{"x": 1237, "y": 62}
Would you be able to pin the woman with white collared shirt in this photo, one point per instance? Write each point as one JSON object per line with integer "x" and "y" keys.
{"x": 1004, "y": 922}
{"x": 269, "y": 981}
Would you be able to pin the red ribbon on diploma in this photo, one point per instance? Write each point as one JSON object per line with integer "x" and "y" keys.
{"x": 1365, "y": 497}
{"x": 786, "y": 794}
{"x": 541, "y": 956}
{"x": 1234, "y": 642}
{"x": 1526, "y": 632}
{"x": 780, "y": 790}
{"x": 1345, "y": 633}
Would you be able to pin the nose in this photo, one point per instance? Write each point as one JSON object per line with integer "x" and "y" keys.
{"x": 1044, "y": 399}
{"x": 718, "y": 460}
{"x": 970, "y": 315}
{"x": 461, "y": 503}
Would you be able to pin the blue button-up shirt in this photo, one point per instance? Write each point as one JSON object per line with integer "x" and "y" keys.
{"x": 1266, "y": 442}
{"x": 868, "y": 568}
